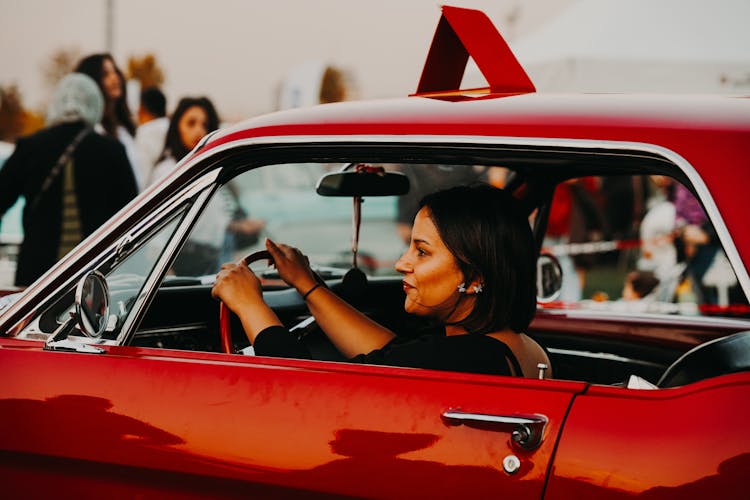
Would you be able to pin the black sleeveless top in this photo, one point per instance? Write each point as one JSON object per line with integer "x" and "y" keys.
{"x": 469, "y": 353}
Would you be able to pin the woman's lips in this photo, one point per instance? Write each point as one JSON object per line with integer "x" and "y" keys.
{"x": 406, "y": 286}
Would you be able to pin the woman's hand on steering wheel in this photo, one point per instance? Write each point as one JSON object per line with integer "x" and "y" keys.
{"x": 238, "y": 289}
{"x": 292, "y": 265}
{"x": 236, "y": 285}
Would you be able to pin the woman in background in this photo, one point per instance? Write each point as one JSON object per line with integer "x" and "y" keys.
{"x": 193, "y": 118}
{"x": 213, "y": 238}
{"x": 117, "y": 120}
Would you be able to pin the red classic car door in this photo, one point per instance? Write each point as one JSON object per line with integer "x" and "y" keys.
{"x": 656, "y": 444}
{"x": 138, "y": 420}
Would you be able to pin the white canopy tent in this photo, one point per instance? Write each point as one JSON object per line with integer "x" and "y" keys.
{"x": 665, "y": 46}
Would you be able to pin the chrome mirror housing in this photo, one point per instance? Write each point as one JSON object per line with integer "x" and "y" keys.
{"x": 92, "y": 304}
{"x": 90, "y": 314}
{"x": 549, "y": 278}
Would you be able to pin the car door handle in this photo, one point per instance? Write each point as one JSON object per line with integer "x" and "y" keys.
{"x": 526, "y": 431}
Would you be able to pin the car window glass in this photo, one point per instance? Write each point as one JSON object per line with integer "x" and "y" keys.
{"x": 126, "y": 279}
{"x": 280, "y": 202}
{"x": 639, "y": 244}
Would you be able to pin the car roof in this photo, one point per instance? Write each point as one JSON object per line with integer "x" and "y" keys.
{"x": 617, "y": 117}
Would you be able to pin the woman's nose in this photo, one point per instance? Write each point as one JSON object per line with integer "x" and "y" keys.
{"x": 403, "y": 265}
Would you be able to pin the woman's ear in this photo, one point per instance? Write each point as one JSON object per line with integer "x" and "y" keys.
{"x": 475, "y": 286}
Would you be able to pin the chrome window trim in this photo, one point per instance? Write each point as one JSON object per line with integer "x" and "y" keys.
{"x": 608, "y": 356}
{"x": 165, "y": 332}
{"x": 150, "y": 285}
{"x": 653, "y": 318}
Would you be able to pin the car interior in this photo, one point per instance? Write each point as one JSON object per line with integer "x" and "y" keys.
{"x": 352, "y": 217}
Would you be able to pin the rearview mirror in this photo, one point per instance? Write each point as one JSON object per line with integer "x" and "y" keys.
{"x": 363, "y": 183}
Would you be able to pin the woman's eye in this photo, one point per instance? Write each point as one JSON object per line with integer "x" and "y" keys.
{"x": 421, "y": 252}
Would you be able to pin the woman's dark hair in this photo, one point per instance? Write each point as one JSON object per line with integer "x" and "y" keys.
{"x": 173, "y": 142}
{"x": 116, "y": 112}
{"x": 490, "y": 237}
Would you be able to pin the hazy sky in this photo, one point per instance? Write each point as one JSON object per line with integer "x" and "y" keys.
{"x": 237, "y": 51}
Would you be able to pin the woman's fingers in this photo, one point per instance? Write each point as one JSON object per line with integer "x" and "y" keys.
{"x": 274, "y": 250}
{"x": 293, "y": 265}
{"x": 235, "y": 283}
{"x": 281, "y": 253}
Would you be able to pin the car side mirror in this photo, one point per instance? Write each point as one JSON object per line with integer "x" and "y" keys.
{"x": 548, "y": 278}
{"x": 90, "y": 313}
{"x": 92, "y": 304}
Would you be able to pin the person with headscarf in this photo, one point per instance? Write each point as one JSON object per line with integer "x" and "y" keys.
{"x": 72, "y": 180}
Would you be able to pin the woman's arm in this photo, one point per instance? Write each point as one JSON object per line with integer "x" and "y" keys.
{"x": 238, "y": 287}
{"x": 351, "y": 332}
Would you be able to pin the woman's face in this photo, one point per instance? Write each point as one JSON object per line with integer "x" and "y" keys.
{"x": 431, "y": 275}
{"x": 111, "y": 81}
{"x": 192, "y": 126}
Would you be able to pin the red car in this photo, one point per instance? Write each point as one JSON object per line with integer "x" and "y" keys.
{"x": 121, "y": 382}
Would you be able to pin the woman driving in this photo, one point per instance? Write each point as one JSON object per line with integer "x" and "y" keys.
{"x": 470, "y": 266}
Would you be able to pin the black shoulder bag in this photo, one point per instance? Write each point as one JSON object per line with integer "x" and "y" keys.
{"x": 58, "y": 166}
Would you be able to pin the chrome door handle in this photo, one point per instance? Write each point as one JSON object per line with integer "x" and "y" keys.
{"x": 525, "y": 430}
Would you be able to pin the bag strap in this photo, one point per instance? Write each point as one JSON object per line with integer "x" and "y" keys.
{"x": 59, "y": 165}
{"x": 70, "y": 227}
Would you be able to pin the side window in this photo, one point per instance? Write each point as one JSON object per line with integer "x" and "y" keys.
{"x": 639, "y": 244}
{"x": 125, "y": 280}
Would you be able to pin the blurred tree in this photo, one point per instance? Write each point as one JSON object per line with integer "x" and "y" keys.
{"x": 146, "y": 70}
{"x": 15, "y": 121}
{"x": 59, "y": 64}
{"x": 11, "y": 113}
{"x": 32, "y": 121}
{"x": 333, "y": 86}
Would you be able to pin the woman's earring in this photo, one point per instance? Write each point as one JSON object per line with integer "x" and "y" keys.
{"x": 479, "y": 288}
{"x": 462, "y": 288}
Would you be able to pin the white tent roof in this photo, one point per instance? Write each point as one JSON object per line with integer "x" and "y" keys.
{"x": 644, "y": 30}
{"x": 641, "y": 46}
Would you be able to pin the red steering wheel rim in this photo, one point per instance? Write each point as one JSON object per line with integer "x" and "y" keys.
{"x": 225, "y": 327}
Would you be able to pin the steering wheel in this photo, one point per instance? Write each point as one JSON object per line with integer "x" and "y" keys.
{"x": 225, "y": 327}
